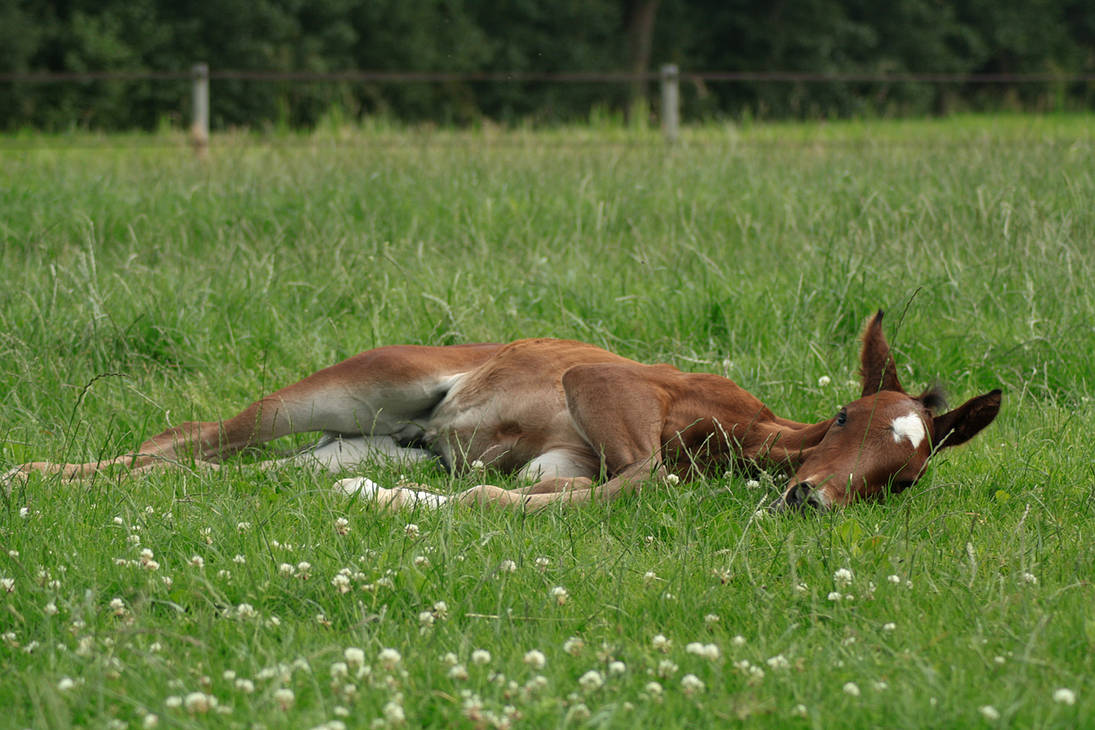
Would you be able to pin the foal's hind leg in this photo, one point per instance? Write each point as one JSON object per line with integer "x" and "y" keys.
{"x": 383, "y": 392}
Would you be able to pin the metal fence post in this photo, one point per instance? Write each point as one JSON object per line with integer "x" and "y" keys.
{"x": 671, "y": 102}
{"x": 199, "y": 128}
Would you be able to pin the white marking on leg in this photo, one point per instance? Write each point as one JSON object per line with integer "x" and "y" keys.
{"x": 555, "y": 464}
{"x": 909, "y": 427}
{"x": 337, "y": 453}
{"x": 367, "y": 488}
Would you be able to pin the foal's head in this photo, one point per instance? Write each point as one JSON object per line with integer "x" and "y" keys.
{"x": 882, "y": 441}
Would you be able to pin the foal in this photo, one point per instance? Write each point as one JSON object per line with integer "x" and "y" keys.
{"x": 579, "y": 422}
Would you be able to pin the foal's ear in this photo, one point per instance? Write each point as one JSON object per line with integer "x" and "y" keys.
{"x": 966, "y": 421}
{"x": 876, "y": 366}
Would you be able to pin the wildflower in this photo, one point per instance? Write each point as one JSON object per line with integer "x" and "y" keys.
{"x": 799, "y": 711}
{"x": 616, "y": 667}
{"x": 542, "y": 563}
{"x": 243, "y": 526}
{"x": 573, "y": 646}
{"x": 393, "y": 713}
{"x": 239, "y": 559}
{"x": 150, "y": 721}
{"x": 672, "y": 479}
{"x": 441, "y": 610}
{"x": 304, "y": 570}
{"x": 823, "y": 381}
{"x": 560, "y": 595}
{"x": 24, "y": 512}
{"x": 458, "y": 672}
{"x": 851, "y": 688}
{"x": 578, "y": 713}
{"x": 660, "y": 643}
{"x": 246, "y": 610}
{"x": 890, "y": 626}
{"x": 707, "y": 651}
{"x": 1029, "y": 578}
{"x": 752, "y": 484}
{"x": 654, "y": 689}
{"x": 421, "y": 561}
{"x": 507, "y": 566}
{"x": 842, "y": 577}
{"x": 592, "y": 680}
{"x": 711, "y": 619}
{"x": 738, "y": 640}
{"x": 1064, "y": 696}
{"x": 66, "y": 684}
{"x": 666, "y": 668}
{"x": 425, "y": 619}
{"x": 356, "y": 657}
{"x": 206, "y": 533}
{"x": 535, "y": 659}
{"x": 117, "y": 606}
{"x": 834, "y": 596}
{"x": 989, "y": 712}
{"x": 778, "y": 662}
{"x": 245, "y": 685}
{"x": 478, "y": 465}
{"x": 199, "y": 702}
{"x": 341, "y": 582}
{"x": 895, "y": 579}
{"x": 342, "y": 525}
{"x": 7, "y": 585}
{"x": 691, "y": 684}
{"x": 284, "y": 697}
{"x": 411, "y": 530}
{"x": 649, "y": 577}
{"x": 480, "y": 656}
{"x": 173, "y": 701}
{"x": 390, "y": 658}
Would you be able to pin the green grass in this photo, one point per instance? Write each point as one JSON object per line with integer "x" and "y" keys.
{"x": 140, "y": 287}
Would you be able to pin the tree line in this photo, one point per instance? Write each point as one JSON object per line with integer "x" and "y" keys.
{"x": 629, "y": 36}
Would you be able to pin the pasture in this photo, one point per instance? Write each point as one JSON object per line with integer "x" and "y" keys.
{"x": 140, "y": 287}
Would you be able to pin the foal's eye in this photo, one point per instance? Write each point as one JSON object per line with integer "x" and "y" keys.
{"x": 842, "y": 418}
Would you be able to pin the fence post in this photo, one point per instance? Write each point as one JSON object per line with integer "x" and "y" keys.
{"x": 199, "y": 128}
{"x": 671, "y": 102}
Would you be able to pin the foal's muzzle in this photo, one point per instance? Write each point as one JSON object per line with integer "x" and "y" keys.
{"x": 801, "y": 496}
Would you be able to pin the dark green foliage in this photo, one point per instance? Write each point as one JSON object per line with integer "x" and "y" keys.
{"x": 968, "y": 36}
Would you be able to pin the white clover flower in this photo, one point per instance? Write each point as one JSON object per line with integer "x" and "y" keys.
{"x": 246, "y": 610}
{"x": 1064, "y": 696}
{"x": 507, "y": 566}
{"x": 421, "y": 561}
{"x": 1028, "y": 578}
{"x": 999, "y": 659}
{"x": 890, "y": 626}
{"x": 65, "y": 684}
{"x": 24, "y": 512}
{"x": 672, "y": 480}
{"x": 895, "y": 579}
{"x": 441, "y": 610}
{"x": 654, "y": 689}
{"x": 477, "y": 465}
{"x": 342, "y": 525}
{"x": 823, "y": 381}
{"x": 711, "y": 619}
{"x": 707, "y": 651}
{"x": 304, "y": 570}
{"x": 851, "y": 688}
{"x": 649, "y": 577}
{"x": 778, "y": 662}
{"x": 458, "y": 672}
{"x": 245, "y": 685}
{"x": 578, "y": 713}
{"x": 738, "y": 640}
{"x": 843, "y": 577}
{"x": 339, "y": 670}
{"x": 425, "y": 619}
{"x": 591, "y": 680}
{"x": 560, "y": 595}
{"x": 389, "y": 658}
{"x": 411, "y": 530}
{"x": 691, "y": 684}
{"x": 341, "y": 582}
{"x": 150, "y": 721}
{"x": 990, "y": 713}
{"x": 239, "y": 559}
{"x": 752, "y": 484}
{"x": 799, "y": 711}
{"x": 666, "y": 668}
{"x": 542, "y": 563}
{"x": 573, "y": 646}
{"x": 172, "y": 702}
{"x": 480, "y": 656}
{"x": 7, "y": 585}
{"x": 284, "y": 697}
{"x": 393, "y": 713}
{"x": 199, "y": 702}
{"x": 197, "y": 561}
{"x": 356, "y": 657}
{"x": 535, "y": 659}
{"x": 834, "y": 596}
{"x": 117, "y": 606}
{"x": 660, "y": 643}
{"x": 243, "y": 526}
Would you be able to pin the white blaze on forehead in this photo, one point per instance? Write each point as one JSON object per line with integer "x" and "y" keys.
{"x": 909, "y": 427}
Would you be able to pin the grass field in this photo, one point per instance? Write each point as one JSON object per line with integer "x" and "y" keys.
{"x": 139, "y": 288}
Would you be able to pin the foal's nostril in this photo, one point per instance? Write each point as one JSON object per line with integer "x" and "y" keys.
{"x": 801, "y": 494}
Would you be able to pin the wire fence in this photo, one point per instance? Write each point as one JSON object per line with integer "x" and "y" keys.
{"x": 669, "y": 78}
